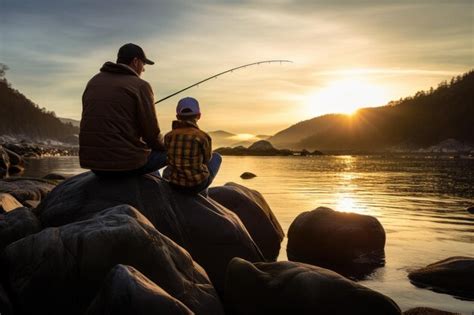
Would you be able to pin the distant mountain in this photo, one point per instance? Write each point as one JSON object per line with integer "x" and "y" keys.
{"x": 75, "y": 123}
{"x": 221, "y": 133}
{"x": 423, "y": 120}
{"x": 19, "y": 116}
{"x": 221, "y": 138}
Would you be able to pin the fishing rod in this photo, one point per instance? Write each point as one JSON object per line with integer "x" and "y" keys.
{"x": 219, "y": 74}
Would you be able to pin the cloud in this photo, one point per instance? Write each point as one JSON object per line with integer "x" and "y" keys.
{"x": 53, "y": 47}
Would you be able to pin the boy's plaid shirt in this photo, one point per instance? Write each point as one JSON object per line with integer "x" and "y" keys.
{"x": 188, "y": 151}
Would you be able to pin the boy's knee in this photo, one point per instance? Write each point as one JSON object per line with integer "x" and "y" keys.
{"x": 217, "y": 157}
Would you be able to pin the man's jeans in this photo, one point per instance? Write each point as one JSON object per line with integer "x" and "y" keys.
{"x": 156, "y": 160}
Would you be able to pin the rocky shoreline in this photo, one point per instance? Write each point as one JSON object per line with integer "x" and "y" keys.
{"x": 136, "y": 246}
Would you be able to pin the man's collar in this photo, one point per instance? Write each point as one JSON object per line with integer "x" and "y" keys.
{"x": 125, "y": 65}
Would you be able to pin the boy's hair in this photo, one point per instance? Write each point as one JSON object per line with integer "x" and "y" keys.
{"x": 187, "y": 117}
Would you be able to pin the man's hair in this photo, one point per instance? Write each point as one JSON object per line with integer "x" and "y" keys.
{"x": 125, "y": 60}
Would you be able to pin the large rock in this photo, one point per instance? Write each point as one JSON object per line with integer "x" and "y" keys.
{"x": 17, "y": 224}
{"x": 17, "y": 164}
{"x": 255, "y": 213}
{"x": 336, "y": 240}
{"x": 212, "y": 234}
{"x": 8, "y": 203}
{"x": 295, "y": 288}
{"x": 60, "y": 270}
{"x": 452, "y": 275}
{"x": 127, "y": 291}
{"x": 23, "y": 188}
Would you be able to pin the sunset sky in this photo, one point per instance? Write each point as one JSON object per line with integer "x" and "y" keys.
{"x": 346, "y": 54}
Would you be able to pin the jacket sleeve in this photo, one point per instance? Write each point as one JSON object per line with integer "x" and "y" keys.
{"x": 148, "y": 123}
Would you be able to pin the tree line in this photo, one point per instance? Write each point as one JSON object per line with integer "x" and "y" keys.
{"x": 421, "y": 120}
{"x": 19, "y": 116}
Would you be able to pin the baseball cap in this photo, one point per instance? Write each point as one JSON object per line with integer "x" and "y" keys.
{"x": 188, "y": 106}
{"x": 130, "y": 51}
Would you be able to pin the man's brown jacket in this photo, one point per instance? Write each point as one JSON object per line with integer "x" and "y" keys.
{"x": 119, "y": 125}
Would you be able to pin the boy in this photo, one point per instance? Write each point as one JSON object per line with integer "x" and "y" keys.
{"x": 191, "y": 164}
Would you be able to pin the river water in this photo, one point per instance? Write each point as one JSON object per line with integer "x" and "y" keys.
{"x": 420, "y": 200}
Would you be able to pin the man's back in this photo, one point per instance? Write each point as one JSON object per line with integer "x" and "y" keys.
{"x": 119, "y": 125}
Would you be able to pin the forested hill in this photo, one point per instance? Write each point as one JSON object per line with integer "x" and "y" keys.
{"x": 19, "y": 116}
{"x": 425, "y": 119}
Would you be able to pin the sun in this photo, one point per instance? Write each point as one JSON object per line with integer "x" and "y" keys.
{"x": 346, "y": 96}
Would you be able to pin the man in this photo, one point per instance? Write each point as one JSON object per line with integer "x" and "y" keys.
{"x": 119, "y": 130}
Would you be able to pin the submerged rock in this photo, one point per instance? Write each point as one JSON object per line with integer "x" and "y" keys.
{"x": 337, "y": 240}
{"x": 8, "y": 203}
{"x": 295, "y": 288}
{"x": 453, "y": 275}
{"x": 470, "y": 210}
{"x": 74, "y": 259}
{"x": 212, "y": 234}
{"x": 255, "y": 213}
{"x": 247, "y": 175}
{"x": 127, "y": 291}
{"x": 23, "y": 188}
{"x": 17, "y": 224}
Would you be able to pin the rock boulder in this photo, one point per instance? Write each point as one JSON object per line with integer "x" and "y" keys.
{"x": 453, "y": 275}
{"x": 247, "y": 175}
{"x": 8, "y": 203}
{"x": 296, "y": 288}
{"x": 17, "y": 224}
{"x": 255, "y": 214}
{"x": 212, "y": 234}
{"x": 127, "y": 291}
{"x": 336, "y": 239}
{"x": 4, "y": 162}
{"x": 74, "y": 259}
{"x": 23, "y": 188}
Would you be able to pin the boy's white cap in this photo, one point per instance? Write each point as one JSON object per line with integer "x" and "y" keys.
{"x": 188, "y": 106}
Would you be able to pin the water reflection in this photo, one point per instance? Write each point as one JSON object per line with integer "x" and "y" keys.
{"x": 419, "y": 200}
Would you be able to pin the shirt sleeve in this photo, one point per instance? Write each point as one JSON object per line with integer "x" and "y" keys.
{"x": 148, "y": 123}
